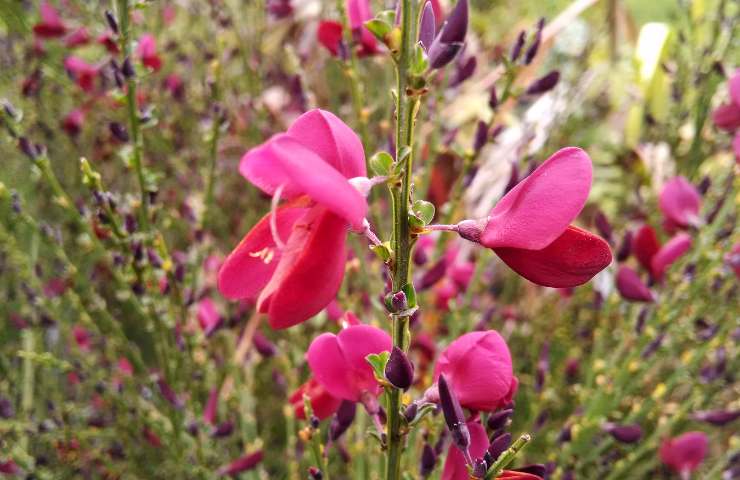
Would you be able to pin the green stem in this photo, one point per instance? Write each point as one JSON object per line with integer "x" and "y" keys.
{"x": 507, "y": 456}
{"x": 124, "y": 13}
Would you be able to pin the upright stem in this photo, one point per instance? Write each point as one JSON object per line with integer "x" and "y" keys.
{"x": 400, "y": 191}
{"x": 124, "y": 14}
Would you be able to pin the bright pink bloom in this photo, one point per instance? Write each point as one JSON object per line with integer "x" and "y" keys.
{"x": 210, "y": 411}
{"x": 631, "y": 287}
{"x": 478, "y": 368}
{"x": 51, "y": 25}
{"x": 310, "y": 165}
{"x": 330, "y": 32}
{"x": 674, "y": 249}
{"x": 72, "y": 122}
{"x": 338, "y": 361}
{"x": 83, "y": 73}
{"x": 208, "y": 317}
{"x": 79, "y": 37}
{"x": 147, "y": 52}
{"x": 108, "y": 40}
{"x": 684, "y": 453}
{"x": 679, "y": 201}
{"x": 529, "y": 228}
{"x": 323, "y": 403}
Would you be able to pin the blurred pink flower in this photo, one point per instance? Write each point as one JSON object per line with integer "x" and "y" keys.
{"x": 72, "y": 122}
{"x": 82, "y": 338}
{"x": 108, "y": 40}
{"x": 478, "y": 368}
{"x": 51, "y": 25}
{"x": 147, "y": 52}
{"x": 310, "y": 166}
{"x": 631, "y": 287}
{"x": 680, "y": 201}
{"x": 241, "y": 464}
{"x": 674, "y": 249}
{"x": 323, "y": 403}
{"x": 529, "y": 228}
{"x": 330, "y": 33}
{"x": 79, "y": 37}
{"x": 727, "y": 115}
{"x": 338, "y": 361}
{"x": 82, "y": 72}
{"x": 645, "y": 245}
{"x": 684, "y": 453}
{"x": 208, "y": 317}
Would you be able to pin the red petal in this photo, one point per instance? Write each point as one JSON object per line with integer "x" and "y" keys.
{"x": 330, "y": 35}
{"x": 571, "y": 260}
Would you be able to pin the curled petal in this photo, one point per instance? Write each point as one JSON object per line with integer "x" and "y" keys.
{"x": 674, "y": 249}
{"x": 631, "y": 287}
{"x": 285, "y": 161}
{"x": 679, "y": 201}
{"x": 310, "y": 271}
{"x": 539, "y": 209}
{"x": 249, "y": 267}
{"x": 571, "y": 260}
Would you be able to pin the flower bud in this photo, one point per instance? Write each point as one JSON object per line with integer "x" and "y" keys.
{"x": 499, "y": 419}
{"x": 223, "y": 429}
{"x": 453, "y": 414}
{"x": 624, "y": 433}
{"x": 625, "y": 247}
{"x": 717, "y": 418}
{"x": 450, "y": 39}
{"x": 532, "y": 50}
{"x": 472, "y": 229}
{"x": 516, "y": 49}
{"x": 630, "y": 286}
{"x": 399, "y": 370}
{"x": 112, "y": 22}
{"x": 242, "y": 464}
{"x": 127, "y": 69}
{"x": 428, "y": 461}
{"x": 481, "y": 136}
{"x": 264, "y": 346}
{"x": 118, "y": 131}
{"x": 342, "y": 420}
{"x": 543, "y": 84}
{"x": 499, "y": 445}
{"x": 493, "y": 98}
{"x": 479, "y": 468}
{"x": 427, "y": 26}
{"x": 410, "y": 412}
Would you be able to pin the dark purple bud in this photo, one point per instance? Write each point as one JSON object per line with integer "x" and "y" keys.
{"x": 493, "y": 98}
{"x": 168, "y": 393}
{"x": 464, "y": 71}
{"x": 427, "y": 27}
{"x": 603, "y": 226}
{"x": 565, "y": 434}
{"x": 718, "y": 418}
{"x": 704, "y": 185}
{"x": 315, "y": 473}
{"x": 15, "y": 202}
{"x": 535, "y": 46}
{"x": 440, "y": 54}
{"x": 516, "y": 49}
{"x": 398, "y": 302}
{"x": 28, "y": 148}
{"x": 112, "y": 22}
{"x": 479, "y": 468}
{"x": 420, "y": 257}
{"x": 653, "y": 346}
{"x": 451, "y": 38}
{"x": 641, "y": 319}
{"x": 223, "y": 429}
{"x": 242, "y": 464}
{"x": 499, "y": 445}
{"x": 535, "y": 469}
{"x": 410, "y": 412}
{"x": 314, "y": 421}
{"x": 704, "y": 330}
{"x": 624, "y": 433}
{"x": 154, "y": 259}
{"x": 543, "y": 84}
{"x": 481, "y": 136}
{"x": 279, "y": 8}
{"x": 625, "y": 248}
{"x": 264, "y": 346}
{"x": 453, "y": 414}
{"x": 129, "y": 222}
{"x": 127, "y": 69}
{"x": 342, "y": 420}
{"x": 118, "y": 131}
{"x": 399, "y": 370}
{"x": 428, "y": 461}
{"x": 6, "y": 408}
{"x": 499, "y": 419}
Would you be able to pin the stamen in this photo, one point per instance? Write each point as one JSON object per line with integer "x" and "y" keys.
{"x": 273, "y": 218}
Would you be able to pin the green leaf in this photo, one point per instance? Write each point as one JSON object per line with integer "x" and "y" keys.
{"x": 378, "y": 361}
{"x": 383, "y": 251}
{"x": 420, "y": 63}
{"x": 387, "y": 16}
{"x": 379, "y": 28}
{"x": 381, "y": 163}
{"x": 424, "y": 211}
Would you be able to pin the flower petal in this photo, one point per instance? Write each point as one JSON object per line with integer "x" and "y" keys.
{"x": 679, "y": 201}
{"x": 734, "y": 87}
{"x": 539, "y": 209}
{"x": 329, "y": 35}
{"x": 674, "y": 249}
{"x": 455, "y": 467}
{"x": 283, "y": 160}
{"x": 331, "y": 139}
{"x": 571, "y": 260}
{"x": 645, "y": 245}
{"x": 631, "y": 287}
{"x": 310, "y": 271}
{"x": 250, "y": 265}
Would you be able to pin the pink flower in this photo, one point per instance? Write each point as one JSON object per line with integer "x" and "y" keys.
{"x": 684, "y": 453}
{"x": 736, "y": 146}
{"x": 727, "y": 115}
{"x": 82, "y": 72}
{"x": 674, "y": 249}
{"x": 208, "y": 317}
{"x": 174, "y": 84}
{"x": 330, "y": 33}
{"x": 108, "y": 40}
{"x": 82, "y": 338}
{"x": 323, "y": 403}
{"x": 51, "y": 25}
{"x": 338, "y": 361}
{"x": 79, "y": 37}
{"x": 733, "y": 259}
{"x": 529, "y": 228}
{"x": 210, "y": 411}
{"x": 147, "y": 52}
{"x": 72, "y": 122}
{"x": 631, "y": 287}
{"x": 679, "y": 201}
{"x": 478, "y": 368}
{"x": 645, "y": 245}
{"x": 310, "y": 165}
{"x": 241, "y": 464}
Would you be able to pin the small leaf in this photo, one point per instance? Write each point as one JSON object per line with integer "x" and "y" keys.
{"x": 381, "y": 163}
{"x": 379, "y": 28}
{"x": 424, "y": 211}
{"x": 378, "y": 361}
{"x": 420, "y": 62}
{"x": 387, "y": 16}
{"x": 383, "y": 251}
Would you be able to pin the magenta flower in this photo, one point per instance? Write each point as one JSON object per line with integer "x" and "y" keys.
{"x": 208, "y": 317}
{"x": 727, "y": 115}
{"x": 674, "y": 249}
{"x": 82, "y": 72}
{"x": 478, "y": 368}
{"x": 72, "y": 122}
{"x": 79, "y": 37}
{"x": 147, "y": 52}
{"x": 680, "y": 201}
{"x": 330, "y": 33}
{"x": 684, "y": 453}
{"x": 645, "y": 245}
{"x": 51, "y": 25}
{"x": 631, "y": 287}
{"x": 241, "y": 464}
{"x": 338, "y": 361}
{"x": 322, "y": 402}
{"x": 529, "y": 228}
{"x": 310, "y": 165}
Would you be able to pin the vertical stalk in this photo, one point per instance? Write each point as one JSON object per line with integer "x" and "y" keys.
{"x": 124, "y": 17}
{"x": 406, "y": 108}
